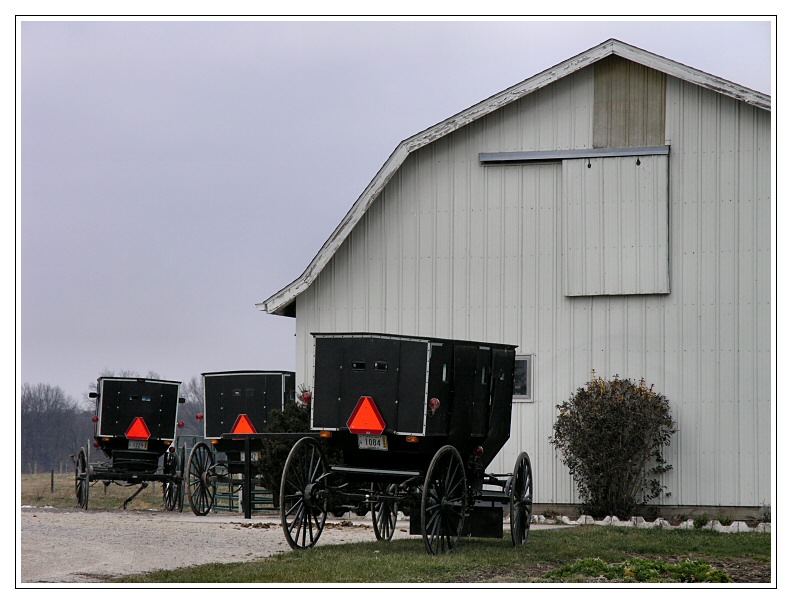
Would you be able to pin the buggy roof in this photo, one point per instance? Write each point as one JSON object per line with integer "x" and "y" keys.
{"x": 404, "y": 337}
{"x": 137, "y": 379}
{"x": 248, "y": 372}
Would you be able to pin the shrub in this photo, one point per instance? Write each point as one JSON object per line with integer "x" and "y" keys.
{"x": 295, "y": 418}
{"x": 639, "y": 570}
{"x": 700, "y": 521}
{"x": 611, "y": 436}
{"x": 765, "y": 514}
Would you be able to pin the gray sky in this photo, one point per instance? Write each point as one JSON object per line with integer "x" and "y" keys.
{"x": 174, "y": 174}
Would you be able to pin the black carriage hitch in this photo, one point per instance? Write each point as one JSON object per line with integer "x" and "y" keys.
{"x": 143, "y": 485}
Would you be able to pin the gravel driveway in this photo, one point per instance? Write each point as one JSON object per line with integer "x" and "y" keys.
{"x": 77, "y": 546}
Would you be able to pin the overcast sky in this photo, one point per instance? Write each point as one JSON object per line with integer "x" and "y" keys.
{"x": 174, "y": 174}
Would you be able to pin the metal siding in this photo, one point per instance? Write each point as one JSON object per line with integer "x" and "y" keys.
{"x": 720, "y": 178}
{"x": 616, "y": 225}
{"x": 487, "y": 242}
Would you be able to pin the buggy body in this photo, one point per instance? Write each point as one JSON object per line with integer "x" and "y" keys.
{"x": 135, "y": 426}
{"x": 428, "y": 392}
{"x": 236, "y": 411}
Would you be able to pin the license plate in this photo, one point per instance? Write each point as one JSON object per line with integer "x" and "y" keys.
{"x": 140, "y": 445}
{"x": 254, "y": 456}
{"x": 378, "y": 442}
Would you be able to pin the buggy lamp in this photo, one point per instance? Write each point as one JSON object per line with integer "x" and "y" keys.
{"x": 412, "y": 439}
{"x": 180, "y": 424}
{"x": 199, "y": 417}
{"x": 97, "y": 445}
{"x": 478, "y": 451}
{"x": 172, "y": 449}
{"x": 95, "y": 419}
{"x": 325, "y": 434}
{"x": 214, "y": 441}
{"x": 434, "y": 404}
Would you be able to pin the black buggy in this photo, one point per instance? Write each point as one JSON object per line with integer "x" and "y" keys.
{"x": 135, "y": 429}
{"x": 413, "y": 424}
{"x": 236, "y": 409}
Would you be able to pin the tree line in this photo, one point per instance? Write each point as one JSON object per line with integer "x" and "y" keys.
{"x": 53, "y": 425}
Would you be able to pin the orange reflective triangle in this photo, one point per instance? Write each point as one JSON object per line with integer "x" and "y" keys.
{"x": 243, "y": 425}
{"x": 366, "y": 418}
{"x": 138, "y": 430}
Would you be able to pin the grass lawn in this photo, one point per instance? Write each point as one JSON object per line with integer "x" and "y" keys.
{"x": 58, "y": 491}
{"x": 654, "y": 555}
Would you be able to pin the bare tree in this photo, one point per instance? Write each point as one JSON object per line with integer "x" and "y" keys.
{"x": 53, "y": 427}
{"x": 193, "y": 393}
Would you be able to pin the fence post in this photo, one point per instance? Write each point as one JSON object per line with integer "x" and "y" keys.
{"x": 52, "y": 481}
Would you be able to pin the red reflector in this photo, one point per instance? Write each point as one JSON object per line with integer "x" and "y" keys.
{"x": 243, "y": 425}
{"x": 365, "y": 418}
{"x": 138, "y": 430}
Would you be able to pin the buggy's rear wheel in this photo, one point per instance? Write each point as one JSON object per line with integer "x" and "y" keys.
{"x": 81, "y": 481}
{"x": 443, "y": 501}
{"x": 521, "y": 499}
{"x": 383, "y": 513}
{"x": 200, "y": 486}
{"x": 303, "y": 504}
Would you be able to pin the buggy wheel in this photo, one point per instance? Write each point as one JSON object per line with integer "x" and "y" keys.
{"x": 172, "y": 488}
{"x": 81, "y": 482}
{"x": 383, "y": 513}
{"x": 443, "y": 501}
{"x": 169, "y": 484}
{"x": 303, "y": 506}
{"x": 521, "y": 499}
{"x": 200, "y": 488}
{"x": 180, "y": 492}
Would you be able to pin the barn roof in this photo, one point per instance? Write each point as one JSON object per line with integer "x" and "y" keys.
{"x": 282, "y": 303}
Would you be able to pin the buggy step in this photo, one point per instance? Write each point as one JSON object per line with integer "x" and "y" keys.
{"x": 492, "y": 497}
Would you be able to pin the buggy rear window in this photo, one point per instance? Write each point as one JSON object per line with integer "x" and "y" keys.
{"x": 146, "y": 398}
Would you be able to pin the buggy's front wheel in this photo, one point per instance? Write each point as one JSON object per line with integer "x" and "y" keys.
{"x": 303, "y": 501}
{"x": 443, "y": 501}
{"x": 81, "y": 480}
{"x": 172, "y": 487}
{"x": 200, "y": 486}
{"x": 521, "y": 499}
{"x": 181, "y": 478}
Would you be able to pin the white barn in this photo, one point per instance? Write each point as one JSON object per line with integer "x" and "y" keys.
{"x": 612, "y": 213}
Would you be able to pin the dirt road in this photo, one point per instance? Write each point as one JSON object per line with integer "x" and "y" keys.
{"x": 76, "y": 546}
